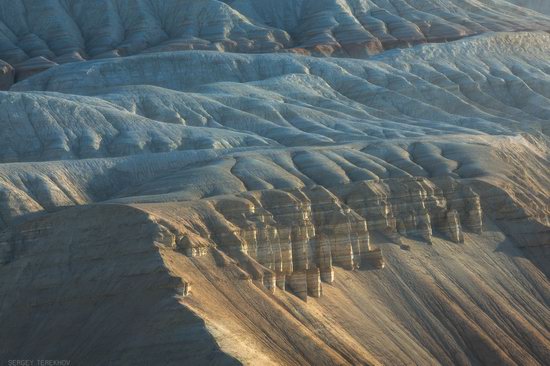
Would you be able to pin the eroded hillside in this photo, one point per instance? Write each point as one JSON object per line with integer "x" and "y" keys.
{"x": 37, "y": 35}
{"x": 182, "y": 204}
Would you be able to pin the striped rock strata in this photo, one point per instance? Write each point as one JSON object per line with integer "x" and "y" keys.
{"x": 293, "y": 238}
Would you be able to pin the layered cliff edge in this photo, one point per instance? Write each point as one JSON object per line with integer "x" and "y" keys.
{"x": 279, "y": 276}
{"x": 207, "y": 207}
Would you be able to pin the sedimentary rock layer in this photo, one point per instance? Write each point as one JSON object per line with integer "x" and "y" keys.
{"x": 126, "y": 281}
{"x": 295, "y": 236}
{"x": 499, "y": 86}
{"x": 173, "y": 206}
{"x": 35, "y": 36}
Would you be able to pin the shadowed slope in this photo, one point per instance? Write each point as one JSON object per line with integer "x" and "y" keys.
{"x": 270, "y": 208}
{"x": 81, "y": 286}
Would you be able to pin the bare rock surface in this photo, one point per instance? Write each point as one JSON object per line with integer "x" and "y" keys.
{"x": 58, "y": 31}
{"x": 181, "y": 182}
{"x": 279, "y": 100}
{"x": 133, "y": 274}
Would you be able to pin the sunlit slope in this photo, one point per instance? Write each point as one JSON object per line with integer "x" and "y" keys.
{"x": 220, "y": 208}
{"x": 495, "y": 84}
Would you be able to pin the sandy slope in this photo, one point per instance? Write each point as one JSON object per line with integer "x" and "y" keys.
{"x": 110, "y": 291}
{"x": 448, "y": 304}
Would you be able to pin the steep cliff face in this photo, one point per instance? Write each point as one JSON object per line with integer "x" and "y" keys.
{"x": 293, "y": 238}
{"x": 162, "y": 279}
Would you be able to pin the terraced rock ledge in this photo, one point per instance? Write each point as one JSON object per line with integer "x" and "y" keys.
{"x": 182, "y": 182}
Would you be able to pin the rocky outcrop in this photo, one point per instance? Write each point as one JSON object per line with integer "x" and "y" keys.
{"x": 293, "y": 238}
{"x": 416, "y": 207}
{"x": 128, "y": 287}
{"x": 221, "y": 191}
{"x": 520, "y": 217}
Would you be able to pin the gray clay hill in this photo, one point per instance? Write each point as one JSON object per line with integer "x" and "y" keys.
{"x": 275, "y": 182}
